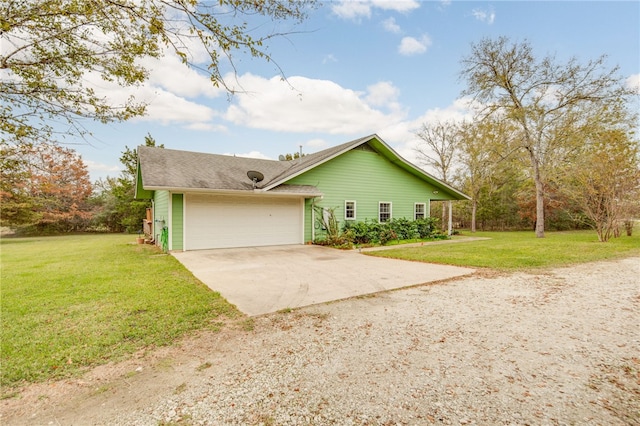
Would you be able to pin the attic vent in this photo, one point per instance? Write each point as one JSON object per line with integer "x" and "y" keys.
{"x": 365, "y": 147}
{"x": 255, "y": 177}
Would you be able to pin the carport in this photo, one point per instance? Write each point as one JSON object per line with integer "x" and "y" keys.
{"x": 261, "y": 280}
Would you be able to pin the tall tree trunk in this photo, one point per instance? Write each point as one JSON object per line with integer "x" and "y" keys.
{"x": 474, "y": 207}
{"x": 539, "y": 196}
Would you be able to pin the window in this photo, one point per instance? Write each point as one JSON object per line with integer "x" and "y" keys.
{"x": 350, "y": 210}
{"x": 419, "y": 211}
{"x": 384, "y": 211}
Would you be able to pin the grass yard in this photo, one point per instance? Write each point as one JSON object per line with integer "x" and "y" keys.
{"x": 72, "y": 302}
{"x": 521, "y": 250}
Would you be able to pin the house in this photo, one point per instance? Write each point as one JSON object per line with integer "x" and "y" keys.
{"x": 209, "y": 201}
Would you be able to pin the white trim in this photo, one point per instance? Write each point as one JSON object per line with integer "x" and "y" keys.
{"x": 302, "y": 221}
{"x": 184, "y": 222}
{"x": 248, "y": 193}
{"x": 354, "y": 210}
{"x": 390, "y": 210}
{"x": 424, "y": 210}
{"x": 170, "y": 221}
{"x": 153, "y": 221}
{"x": 313, "y": 223}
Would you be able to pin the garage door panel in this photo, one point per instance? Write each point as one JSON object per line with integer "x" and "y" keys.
{"x": 222, "y": 221}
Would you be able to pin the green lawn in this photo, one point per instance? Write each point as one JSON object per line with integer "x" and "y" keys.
{"x": 521, "y": 250}
{"x": 73, "y": 302}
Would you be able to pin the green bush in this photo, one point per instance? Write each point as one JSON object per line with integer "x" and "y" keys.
{"x": 372, "y": 232}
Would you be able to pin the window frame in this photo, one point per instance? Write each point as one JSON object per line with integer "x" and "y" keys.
{"x": 415, "y": 211}
{"x": 346, "y": 210}
{"x": 390, "y": 204}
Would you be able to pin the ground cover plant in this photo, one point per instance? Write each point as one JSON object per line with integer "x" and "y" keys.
{"x": 72, "y": 302}
{"x": 520, "y": 250}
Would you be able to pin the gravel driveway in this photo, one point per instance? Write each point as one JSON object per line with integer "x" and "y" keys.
{"x": 555, "y": 347}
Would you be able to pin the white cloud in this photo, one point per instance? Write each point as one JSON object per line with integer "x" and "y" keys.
{"x": 402, "y": 135}
{"x": 383, "y": 94}
{"x": 171, "y": 74}
{"x": 484, "y": 16}
{"x": 93, "y": 166}
{"x": 402, "y": 6}
{"x": 633, "y": 83}
{"x": 346, "y": 9}
{"x": 391, "y": 26}
{"x": 307, "y": 105}
{"x": 412, "y": 46}
{"x": 316, "y": 143}
{"x": 356, "y": 9}
{"x": 168, "y": 108}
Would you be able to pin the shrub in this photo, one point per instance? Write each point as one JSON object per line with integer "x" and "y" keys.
{"x": 426, "y": 227}
{"x": 404, "y": 229}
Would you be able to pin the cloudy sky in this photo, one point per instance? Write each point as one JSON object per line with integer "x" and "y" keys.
{"x": 355, "y": 68}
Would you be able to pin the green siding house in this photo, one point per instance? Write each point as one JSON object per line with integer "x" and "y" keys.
{"x": 205, "y": 201}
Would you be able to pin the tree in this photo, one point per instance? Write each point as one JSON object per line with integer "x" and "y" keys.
{"x": 289, "y": 157}
{"x": 48, "y": 189}
{"x": 551, "y": 103}
{"x": 17, "y": 206}
{"x": 481, "y": 145}
{"x": 605, "y": 182}
{"x": 116, "y": 208}
{"x": 52, "y": 49}
{"x": 437, "y": 149}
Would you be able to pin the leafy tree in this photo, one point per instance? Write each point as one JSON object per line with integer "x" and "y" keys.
{"x": 605, "y": 181}
{"x": 17, "y": 206}
{"x": 47, "y": 188}
{"x": 437, "y": 149}
{"x": 289, "y": 157}
{"x": 116, "y": 208}
{"x": 51, "y": 50}
{"x": 551, "y": 103}
{"x": 481, "y": 145}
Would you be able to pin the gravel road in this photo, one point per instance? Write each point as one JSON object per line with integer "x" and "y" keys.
{"x": 555, "y": 347}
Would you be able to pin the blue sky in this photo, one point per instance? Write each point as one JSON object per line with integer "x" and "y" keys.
{"x": 355, "y": 68}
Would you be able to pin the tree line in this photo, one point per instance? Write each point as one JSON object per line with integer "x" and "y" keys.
{"x": 551, "y": 144}
{"x": 46, "y": 189}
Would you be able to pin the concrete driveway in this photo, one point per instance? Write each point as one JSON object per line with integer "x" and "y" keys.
{"x": 261, "y": 280}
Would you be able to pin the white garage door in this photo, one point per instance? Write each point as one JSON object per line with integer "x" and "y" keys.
{"x": 223, "y": 221}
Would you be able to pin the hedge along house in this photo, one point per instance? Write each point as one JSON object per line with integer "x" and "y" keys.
{"x": 209, "y": 201}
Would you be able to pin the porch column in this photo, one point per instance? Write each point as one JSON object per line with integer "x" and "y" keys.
{"x": 450, "y": 218}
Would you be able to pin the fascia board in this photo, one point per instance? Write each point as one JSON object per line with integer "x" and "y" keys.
{"x": 253, "y": 192}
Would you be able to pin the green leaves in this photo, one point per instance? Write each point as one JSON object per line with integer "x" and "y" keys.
{"x": 551, "y": 104}
{"x": 53, "y": 51}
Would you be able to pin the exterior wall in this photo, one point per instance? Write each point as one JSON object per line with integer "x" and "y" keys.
{"x": 160, "y": 213}
{"x": 177, "y": 222}
{"x": 364, "y": 176}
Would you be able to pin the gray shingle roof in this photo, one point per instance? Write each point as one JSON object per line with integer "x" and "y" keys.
{"x": 169, "y": 168}
{"x": 174, "y": 169}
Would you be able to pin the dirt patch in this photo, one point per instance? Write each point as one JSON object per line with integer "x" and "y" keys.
{"x": 559, "y": 347}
